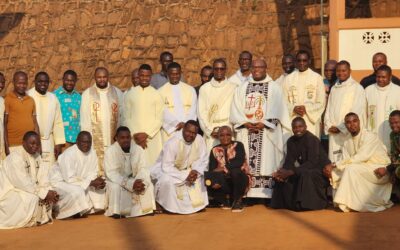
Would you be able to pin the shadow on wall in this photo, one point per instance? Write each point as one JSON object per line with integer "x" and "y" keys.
{"x": 9, "y": 21}
{"x": 292, "y": 17}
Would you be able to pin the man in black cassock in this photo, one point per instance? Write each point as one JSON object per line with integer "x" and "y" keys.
{"x": 300, "y": 184}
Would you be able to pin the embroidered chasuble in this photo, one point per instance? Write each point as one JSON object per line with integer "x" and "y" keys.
{"x": 381, "y": 101}
{"x": 306, "y": 88}
{"x": 100, "y": 112}
{"x": 261, "y": 101}
{"x": 214, "y": 105}
{"x": 50, "y": 123}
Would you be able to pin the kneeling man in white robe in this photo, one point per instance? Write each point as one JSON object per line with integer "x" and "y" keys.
{"x": 356, "y": 185}
{"x": 75, "y": 176}
{"x": 129, "y": 188}
{"x": 26, "y": 197}
{"x": 179, "y": 172}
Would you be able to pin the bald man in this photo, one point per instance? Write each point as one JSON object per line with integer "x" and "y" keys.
{"x": 260, "y": 117}
{"x": 378, "y": 60}
{"x": 100, "y": 112}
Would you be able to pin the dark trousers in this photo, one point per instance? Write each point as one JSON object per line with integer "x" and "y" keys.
{"x": 233, "y": 184}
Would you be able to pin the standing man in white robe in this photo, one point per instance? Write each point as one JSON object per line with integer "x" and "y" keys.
{"x": 260, "y": 117}
{"x": 304, "y": 92}
{"x": 100, "y": 112}
{"x": 26, "y": 197}
{"x": 288, "y": 67}
{"x": 214, "y": 104}
{"x": 179, "y": 172}
{"x": 357, "y": 186}
{"x": 180, "y": 102}
{"x": 2, "y": 109}
{"x": 382, "y": 98}
{"x": 49, "y": 118}
{"x": 129, "y": 188}
{"x": 75, "y": 176}
{"x": 346, "y": 96}
{"x": 243, "y": 74}
{"x": 143, "y": 115}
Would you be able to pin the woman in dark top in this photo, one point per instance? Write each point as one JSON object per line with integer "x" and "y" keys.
{"x": 228, "y": 171}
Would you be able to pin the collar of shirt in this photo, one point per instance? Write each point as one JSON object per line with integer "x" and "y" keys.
{"x": 61, "y": 90}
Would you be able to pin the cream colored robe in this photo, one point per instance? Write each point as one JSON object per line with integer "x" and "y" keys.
{"x": 348, "y": 96}
{"x": 306, "y": 88}
{"x": 380, "y": 103}
{"x": 172, "y": 168}
{"x": 51, "y": 126}
{"x": 143, "y": 108}
{"x": 214, "y": 106}
{"x": 23, "y": 183}
{"x": 109, "y": 114}
{"x": 71, "y": 177}
{"x": 280, "y": 80}
{"x": 180, "y": 102}
{"x": 122, "y": 170}
{"x": 238, "y": 78}
{"x": 245, "y": 108}
{"x": 357, "y": 187}
{"x": 2, "y": 152}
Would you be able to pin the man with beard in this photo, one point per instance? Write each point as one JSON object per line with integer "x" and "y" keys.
{"x": 179, "y": 172}
{"x": 355, "y": 183}
{"x": 260, "y": 117}
{"x": 129, "y": 188}
{"x": 100, "y": 112}
{"x": 300, "y": 183}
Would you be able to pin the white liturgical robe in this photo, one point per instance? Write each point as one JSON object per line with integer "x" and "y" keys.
{"x": 261, "y": 101}
{"x": 100, "y": 116}
{"x": 357, "y": 187}
{"x": 180, "y": 102}
{"x": 143, "y": 113}
{"x": 71, "y": 176}
{"x": 2, "y": 109}
{"x": 24, "y": 183}
{"x": 381, "y": 102}
{"x": 50, "y": 123}
{"x": 172, "y": 168}
{"x": 306, "y": 89}
{"x": 238, "y": 78}
{"x": 345, "y": 97}
{"x": 214, "y": 106}
{"x": 122, "y": 169}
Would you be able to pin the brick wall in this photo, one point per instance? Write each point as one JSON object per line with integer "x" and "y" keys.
{"x": 58, "y": 35}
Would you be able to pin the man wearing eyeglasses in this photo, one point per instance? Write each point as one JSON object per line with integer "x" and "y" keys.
{"x": 304, "y": 91}
{"x": 214, "y": 103}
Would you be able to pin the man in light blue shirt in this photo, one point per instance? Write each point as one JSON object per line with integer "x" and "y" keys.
{"x": 70, "y": 101}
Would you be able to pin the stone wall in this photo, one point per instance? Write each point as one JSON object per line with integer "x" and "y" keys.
{"x": 56, "y": 35}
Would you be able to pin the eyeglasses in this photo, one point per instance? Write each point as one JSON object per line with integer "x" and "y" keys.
{"x": 221, "y": 69}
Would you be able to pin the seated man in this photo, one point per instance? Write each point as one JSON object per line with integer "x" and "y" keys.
{"x": 129, "y": 188}
{"x": 179, "y": 170}
{"x": 75, "y": 176}
{"x": 227, "y": 176}
{"x": 356, "y": 185}
{"x": 394, "y": 168}
{"x": 300, "y": 184}
{"x": 26, "y": 197}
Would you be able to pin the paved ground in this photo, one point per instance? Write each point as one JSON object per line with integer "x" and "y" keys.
{"x": 257, "y": 227}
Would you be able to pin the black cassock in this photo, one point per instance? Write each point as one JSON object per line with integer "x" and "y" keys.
{"x": 306, "y": 189}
